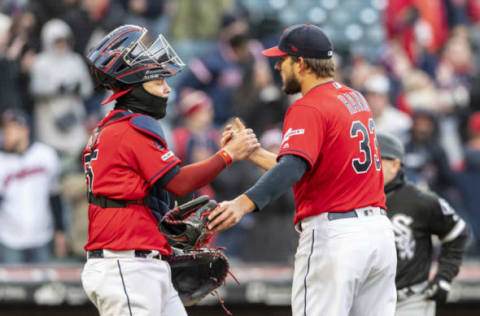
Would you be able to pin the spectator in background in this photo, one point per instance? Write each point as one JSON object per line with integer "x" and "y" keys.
{"x": 220, "y": 72}
{"x": 457, "y": 12}
{"x": 196, "y": 139}
{"x": 420, "y": 27}
{"x": 30, "y": 209}
{"x": 420, "y": 92}
{"x": 147, "y": 13}
{"x": 468, "y": 180}
{"x": 91, "y": 19}
{"x": 387, "y": 118}
{"x": 425, "y": 160}
{"x": 189, "y": 15}
{"x": 19, "y": 46}
{"x": 60, "y": 82}
{"x": 454, "y": 73}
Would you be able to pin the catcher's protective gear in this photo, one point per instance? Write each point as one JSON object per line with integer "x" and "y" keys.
{"x": 187, "y": 224}
{"x": 197, "y": 273}
{"x": 124, "y": 57}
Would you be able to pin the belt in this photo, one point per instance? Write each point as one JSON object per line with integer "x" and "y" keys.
{"x": 406, "y": 292}
{"x": 105, "y": 202}
{"x": 359, "y": 212}
{"x": 105, "y": 253}
{"x": 332, "y": 216}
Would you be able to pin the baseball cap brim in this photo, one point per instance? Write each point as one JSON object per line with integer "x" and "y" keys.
{"x": 273, "y": 52}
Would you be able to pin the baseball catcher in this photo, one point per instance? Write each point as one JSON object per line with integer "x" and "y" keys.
{"x": 130, "y": 173}
{"x": 196, "y": 270}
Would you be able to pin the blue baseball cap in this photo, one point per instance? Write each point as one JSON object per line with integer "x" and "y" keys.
{"x": 302, "y": 40}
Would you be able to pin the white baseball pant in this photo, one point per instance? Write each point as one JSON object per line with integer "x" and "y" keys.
{"x": 416, "y": 305}
{"x": 345, "y": 267}
{"x": 123, "y": 285}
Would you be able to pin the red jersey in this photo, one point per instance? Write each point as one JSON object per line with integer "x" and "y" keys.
{"x": 332, "y": 128}
{"x": 124, "y": 164}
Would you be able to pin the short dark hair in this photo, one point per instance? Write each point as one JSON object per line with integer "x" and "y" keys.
{"x": 323, "y": 68}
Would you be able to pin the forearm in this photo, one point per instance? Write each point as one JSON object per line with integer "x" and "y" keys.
{"x": 197, "y": 175}
{"x": 263, "y": 158}
{"x": 450, "y": 258}
{"x": 57, "y": 212}
{"x": 277, "y": 180}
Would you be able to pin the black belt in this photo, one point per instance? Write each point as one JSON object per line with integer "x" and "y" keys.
{"x": 105, "y": 202}
{"x": 98, "y": 253}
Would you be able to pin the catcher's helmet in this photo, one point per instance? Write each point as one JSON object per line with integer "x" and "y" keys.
{"x": 124, "y": 57}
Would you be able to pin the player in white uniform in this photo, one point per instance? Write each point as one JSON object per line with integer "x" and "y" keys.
{"x": 29, "y": 194}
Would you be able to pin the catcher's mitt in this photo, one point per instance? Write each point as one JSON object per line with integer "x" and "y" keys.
{"x": 187, "y": 224}
{"x": 197, "y": 273}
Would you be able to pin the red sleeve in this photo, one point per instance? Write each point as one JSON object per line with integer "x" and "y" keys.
{"x": 195, "y": 176}
{"x": 149, "y": 157}
{"x": 303, "y": 133}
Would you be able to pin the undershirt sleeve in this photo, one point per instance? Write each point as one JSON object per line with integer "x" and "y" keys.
{"x": 288, "y": 171}
{"x": 195, "y": 176}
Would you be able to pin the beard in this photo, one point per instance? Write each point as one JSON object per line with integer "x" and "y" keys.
{"x": 291, "y": 85}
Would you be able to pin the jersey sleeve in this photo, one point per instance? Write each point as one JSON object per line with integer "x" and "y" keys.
{"x": 445, "y": 222}
{"x": 303, "y": 133}
{"x": 150, "y": 157}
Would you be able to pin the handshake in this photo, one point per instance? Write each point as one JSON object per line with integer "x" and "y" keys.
{"x": 238, "y": 141}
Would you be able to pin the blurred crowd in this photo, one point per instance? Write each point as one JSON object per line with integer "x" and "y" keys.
{"x": 422, "y": 81}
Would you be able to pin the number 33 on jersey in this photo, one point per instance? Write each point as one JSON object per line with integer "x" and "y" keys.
{"x": 329, "y": 122}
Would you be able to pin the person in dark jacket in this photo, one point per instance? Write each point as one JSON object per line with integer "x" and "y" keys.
{"x": 416, "y": 215}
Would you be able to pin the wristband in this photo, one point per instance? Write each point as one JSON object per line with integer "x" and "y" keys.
{"x": 226, "y": 156}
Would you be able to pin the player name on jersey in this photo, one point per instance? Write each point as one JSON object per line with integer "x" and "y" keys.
{"x": 354, "y": 102}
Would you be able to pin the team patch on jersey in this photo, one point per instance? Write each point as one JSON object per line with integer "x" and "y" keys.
{"x": 289, "y": 133}
{"x": 404, "y": 239}
{"x": 166, "y": 156}
{"x": 337, "y": 85}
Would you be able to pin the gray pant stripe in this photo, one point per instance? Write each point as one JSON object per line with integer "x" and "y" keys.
{"x": 124, "y": 288}
{"x": 306, "y": 275}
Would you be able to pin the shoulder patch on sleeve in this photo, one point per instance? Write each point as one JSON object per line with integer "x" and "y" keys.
{"x": 149, "y": 126}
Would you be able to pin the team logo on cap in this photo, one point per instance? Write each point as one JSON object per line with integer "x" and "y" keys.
{"x": 294, "y": 48}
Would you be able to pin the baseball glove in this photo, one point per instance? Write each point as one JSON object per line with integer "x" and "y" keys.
{"x": 197, "y": 273}
{"x": 186, "y": 225}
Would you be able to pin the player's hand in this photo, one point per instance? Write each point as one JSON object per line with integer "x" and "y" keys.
{"x": 229, "y": 131}
{"x": 229, "y": 213}
{"x": 242, "y": 144}
{"x": 437, "y": 290}
{"x": 227, "y": 135}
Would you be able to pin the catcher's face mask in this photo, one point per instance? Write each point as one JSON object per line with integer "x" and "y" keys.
{"x": 159, "y": 53}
